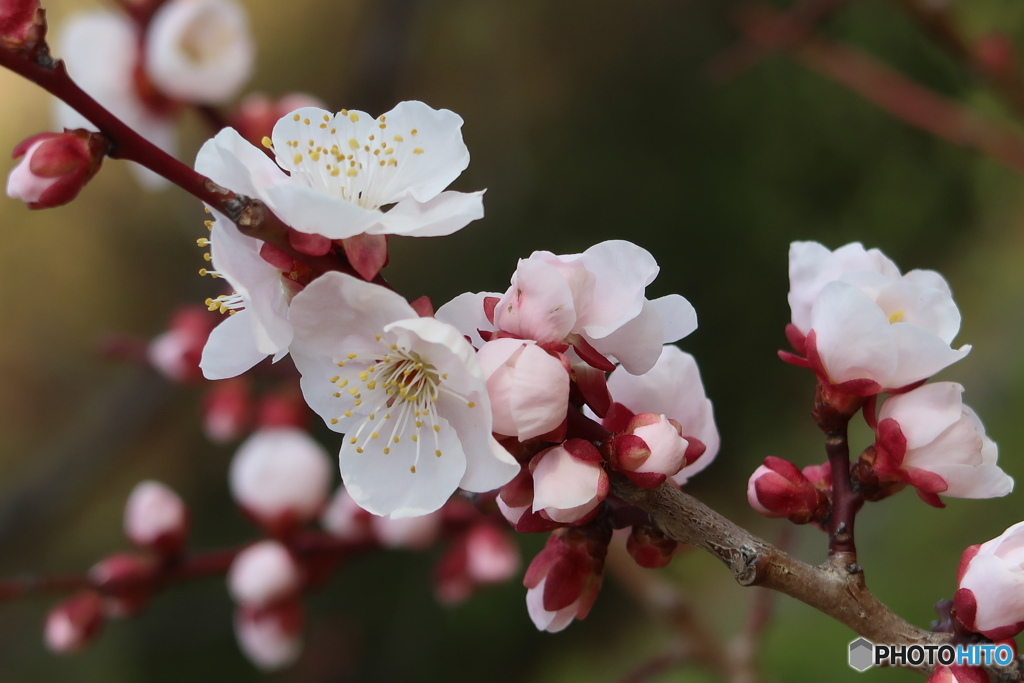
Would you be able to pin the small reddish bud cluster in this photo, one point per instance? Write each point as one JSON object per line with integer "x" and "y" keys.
{"x": 55, "y": 168}
{"x": 564, "y": 578}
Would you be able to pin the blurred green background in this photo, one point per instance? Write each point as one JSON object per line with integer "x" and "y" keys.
{"x": 586, "y": 121}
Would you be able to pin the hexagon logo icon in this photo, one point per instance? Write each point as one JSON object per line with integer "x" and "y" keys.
{"x": 861, "y": 654}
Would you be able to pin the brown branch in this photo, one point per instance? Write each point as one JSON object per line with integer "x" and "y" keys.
{"x": 895, "y": 93}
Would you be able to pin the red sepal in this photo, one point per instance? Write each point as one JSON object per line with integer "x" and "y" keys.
{"x": 367, "y": 254}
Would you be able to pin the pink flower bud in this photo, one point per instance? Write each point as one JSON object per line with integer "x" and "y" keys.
{"x": 528, "y": 387}
{"x": 649, "y": 547}
{"x": 55, "y": 168}
{"x": 156, "y": 518}
{"x": 256, "y": 114}
{"x": 411, "y": 533}
{"x": 778, "y": 489}
{"x": 74, "y": 623}
{"x": 227, "y": 410}
{"x": 483, "y": 555}
{"x": 564, "y": 578}
{"x": 125, "y": 582}
{"x": 344, "y": 519}
{"x": 282, "y": 409}
{"x": 568, "y": 481}
{"x": 280, "y": 477}
{"x": 176, "y": 352}
{"x": 263, "y": 574}
{"x": 271, "y": 637}
{"x": 989, "y": 600}
{"x": 22, "y": 25}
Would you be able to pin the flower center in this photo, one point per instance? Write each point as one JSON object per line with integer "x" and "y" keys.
{"x": 343, "y": 159}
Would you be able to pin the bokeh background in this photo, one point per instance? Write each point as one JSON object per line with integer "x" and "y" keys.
{"x": 586, "y": 121}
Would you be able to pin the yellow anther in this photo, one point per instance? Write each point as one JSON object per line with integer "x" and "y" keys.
{"x": 396, "y": 439}
{"x": 418, "y": 150}
{"x": 437, "y": 428}
{"x": 341, "y": 363}
{"x": 471, "y": 404}
{"x": 353, "y": 143}
{"x": 353, "y": 391}
{"x": 895, "y": 317}
{"x": 297, "y": 158}
{"x": 387, "y": 450}
{"x": 202, "y": 242}
{"x": 414, "y": 437}
{"x": 373, "y": 416}
{"x": 418, "y": 424}
{"x": 375, "y": 435}
{"x": 327, "y": 117}
{"x": 392, "y": 162}
{"x": 334, "y": 420}
{"x": 371, "y": 137}
{"x": 352, "y": 356}
{"x": 305, "y": 121}
{"x": 267, "y": 142}
{"x": 363, "y": 376}
{"x": 352, "y": 173}
{"x": 437, "y": 453}
{"x": 377, "y": 336}
{"x": 413, "y": 131}
{"x": 382, "y": 118}
{"x": 353, "y": 440}
{"x": 348, "y": 413}
{"x": 337, "y": 394}
{"x": 412, "y": 469}
{"x": 371, "y": 386}
{"x": 359, "y": 450}
{"x": 399, "y": 138}
{"x": 296, "y": 117}
{"x": 353, "y": 117}
{"x": 208, "y": 224}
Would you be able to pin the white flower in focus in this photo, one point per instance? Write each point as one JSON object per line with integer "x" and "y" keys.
{"x": 256, "y": 313}
{"x": 938, "y": 445}
{"x": 336, "y": 173}
{"x": 597, "y": 297}
{"x": 989, "y": 599}
{"x": 199, "y": 51}
{"x": 528, "y": 388}
{"x": 672, "y": 388}
{"x": 280, "y": 476}
{"x": 407, "y": 392}
{"x": 869, "y": 322}
{"x": 101, "y": 51}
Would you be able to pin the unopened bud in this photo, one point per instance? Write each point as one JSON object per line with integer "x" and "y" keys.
{"x": 779, "y": 489}
{"x": 564, "y": 578}
{"x": 483, "y": 555}
{"x": 264, "y": 573}
{"x": 74, "y": 623}
{"x": 649, "y": 547}
{"x": 125, "y": 582}
{"x": 568, "y": 481}
{"x": 271, "y": 637}
{"x": 280, "y": 477}
{"x": 22, "y": 25}
{"x": 155, "y": 517}
{"x": 55, "y": 168}
{"x": 227, "y": 410}
{"x": 176, "y": 352}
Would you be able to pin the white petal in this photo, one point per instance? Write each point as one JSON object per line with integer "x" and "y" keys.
{"x": 539, "y": 394}
{"x": 387, "y": 485}
{"x": 311, "y": 210}
{"x": 927, "y": 307}
{"x": 562, "y": 482}
{"x": 854, "y": 338}
{"x": 230, "y": 160}
{"x": 539, "y": 305}
{"x": 637, "y": 343}
{"x": 442, "y": 215}
{"x": 921, "y": 355}
{"x": 231, "y": 348}
{"x": 623, "y": 272}
{"x": 466, "y": 313}
{"x": 925, "y": 412}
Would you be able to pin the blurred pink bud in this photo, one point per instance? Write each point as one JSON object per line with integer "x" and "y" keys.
{"x": 958, "y": 674}
{"x": 155, "y": 517}
{"x": 176, "y": 352}
{"x": 989, "y": 600}
{"x": 994, "y": 52}
{"x": 227, "y": 410}
{"x": 22, "y": 24}
{"x": 411, "y": 533}
{"x": 55, "y": 168}
{"x": 779, "y": 489}
{"x": 199, "y": 51}
{"x": 256, "y": 114}
{"x": 280, "y": 477}
{"x": 271, "y": 637}
{"x": 125, "y": 582}
{"x": 528, "y": 387}
{"x": 564, "y": 578}
{"x": 483, "y": 555}
{"x": 264, "y": 573}
{"x": 568, "y": 481}
{"x": 344, "y": 519}
{"x": 649, "y": 547}
{"x": 282, "y": 409}
{"x": 74, "y": 623}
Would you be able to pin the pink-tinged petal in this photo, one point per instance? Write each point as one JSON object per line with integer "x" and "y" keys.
{"x": 563, "y": 484}
{"x": 231, "y": 348}
{"x": 444, "y": 214}
{"x": 998, "y": 591}
{"x": 636, "y": 345}
{"x": 854, "y": 339}
{"x": 493, "y": 357}
{"x": 678, "y": 317}
{"x": 925, "y": 412}
{"x": 921, "y": 354}
{"x": 539, "y": 304}
{"x": 230, "y": 161}
{"x": 928, "y": 279}
{"x": 368, "y": 254}
{"x": 431, "y": 153}
{"x": 310, "y": 210}
{"x": 336, "y": 306}
{"x": 408, "y": 481}
{"x": 539, "y": 393}
{"x": 623, "y": 272}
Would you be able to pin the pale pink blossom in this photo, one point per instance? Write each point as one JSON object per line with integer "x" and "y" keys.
{"x": 672, "y": 388}
{"x": 596, "y": 302}
{"x": 528, "y": 387}
{"x": 930, "y": 439}
{"x": 176, "y": 352}
{"x": 54, "y": 168}
{"x": 344, "y": 519}
{"x": 270, "y": 637}
{"x": 155, "y": 517}
{"x": 264, "y": 573}
{"x": 989, "y": 599}
{"x": 227, "y": 410}
{"x": 779, "y": 489}
{"x": 483, "y": 555}
{"x": 859, "y": 321}
{"x": 335, "y": 172}
{"x": 101, "y": 50}
{"x": 667, "y": 447}
{"x": 407, "y": 392}
{"x": 280, "y": 477}
{"x": 410, "y": 533}
{"x": 199, "y": 51}
{"x": 568, "y": 481}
